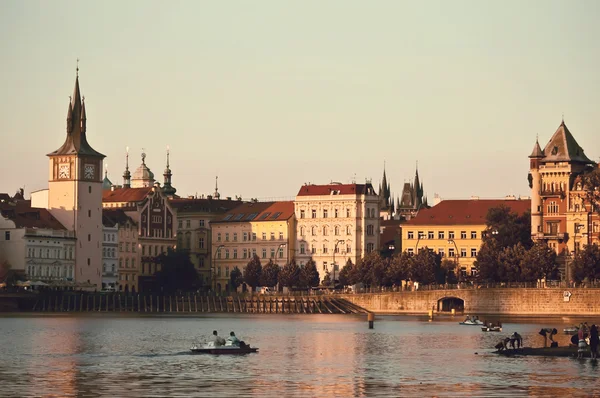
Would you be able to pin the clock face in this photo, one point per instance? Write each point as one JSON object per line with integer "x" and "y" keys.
{"x": 63, "y": 171}
{"x": 88, "y": 172}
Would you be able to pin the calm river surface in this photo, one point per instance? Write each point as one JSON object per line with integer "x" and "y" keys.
{"x": 302, "y": 355}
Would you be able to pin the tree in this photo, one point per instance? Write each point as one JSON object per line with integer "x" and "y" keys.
{"x": 252, "y": 272}
{"x": 309, "y": 276}
{"x": 591, "y": 186}
{"x": 289, "y": 275}
{"x": 540, "y": 263}
{"x": 236, "y": 278}
{"x": 269, "y": 274}
{"x": 346, "y": 274}
{"x": 487, "y": 262}
{"x": 507, "y": 227}
{"x": 448, "y": 271}
{"x": 511, "y": 262}
{"x": 177, "y": 273}
{"x": 327, "y": 278}
{"x": 399, "y": 268}
{"x": 426, "y": 266}
{"x": 586, "y": 264}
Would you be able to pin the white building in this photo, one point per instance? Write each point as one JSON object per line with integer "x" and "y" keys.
{"x": 110, "y": 254}
{"x": 34, "y": 243}
{"x": 336, "y": 222}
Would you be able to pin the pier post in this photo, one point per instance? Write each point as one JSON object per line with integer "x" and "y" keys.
{"x": 371, "y": 319}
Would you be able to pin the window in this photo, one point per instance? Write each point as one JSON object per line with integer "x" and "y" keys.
{"x": 188, "y": 223}
{"x": 463, "y": 252}
{"x": 463, "y": 234}
{"x": 143, "y": 250}
{"x": 421, "y": 235}
{"x": 226, "y": 253}
{"x": 201, "y": 243}
{"x": 430, "y": 235}
{"x": 264, "y": 236}
{"x": 313, "y": 249}
{"x": 324, "y": 265}
{"x": 264, "y": 253}
{"x": 347, "y": 213}
{"x": 410, "y": 235}
{"x": 272, "y": 253}
{"x": 280, "y": 235}
{"x": 302, "y": 249}
{"x": 89, "y": 213}
{"x": 219, "y": 254}
{"x": 552, "y": 208}
{"x": 227, "y": 272}
{"x": 441, "y": 252}
{"x": 314, "y": 213}
{"x": 89, "y": 237}
{"x": 301, "y": 231}
{"x": 348, "y": 249}
{"x": 324, "y": 231}
{"x": 245, "y": 238}
{"x": 245, "y": 253}
{"x": 336, "y": 249}
{"x": 127, "y": 246}
{"x": 451, "y": 235}
{"x": 126, "y": 263}
{"x": 324, "y": 249}
{"x": 7, "y": 235}
{"x": 451, "y": 252}
{"x": 336, "y": 230}
{"x": 201, "y": 223}
{"x": 89, "y": 189}
{"x": 370, "y": 247}
{"x": 235, "y": 236}
{"x": 325, "y": 214}
{"x": 301, "y": 213}
{"x": 280, "y": 252}
{"x": 253, "y": 236}
{"x": 201, "y": 262}
{"x": 180, "y": 224}
{"x": 473, "y": 271}
{"x": 473, "y": 234}
{"x": 348, "y": 230}
{"x": 370, "y": 230}
{"x": 473, "y": 252}
{"x": 226, "y": 236}
{"x": 272, "y": 235}
{"x": 335, "y": 213}
{"x": 410, "y": 251}
{"x": 441, "y": 235}
{"x": 218, "y": 237}
{"x": 313, "y": 231}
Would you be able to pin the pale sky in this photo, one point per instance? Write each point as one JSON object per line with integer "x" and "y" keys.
{"x": 272, "y": 94}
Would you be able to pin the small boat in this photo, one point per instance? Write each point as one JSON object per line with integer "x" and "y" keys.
{"x": 228, "y": 348}
{"x": 491, "y": 329}
{"x": 571, "y": 330}
{"x": 471, "y": 322}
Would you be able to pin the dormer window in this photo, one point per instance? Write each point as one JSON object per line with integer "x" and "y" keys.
{"x": 554, "y": 150}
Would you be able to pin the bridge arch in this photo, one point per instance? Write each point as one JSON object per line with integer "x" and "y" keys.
{"x": 449, "y": 303}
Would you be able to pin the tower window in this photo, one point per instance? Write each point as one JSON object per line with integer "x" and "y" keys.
{"x": 90, "y": 189}
{"x": 89, "y": 261}
{"x": 90, "y": 213}
{"x": 89, "y": 237}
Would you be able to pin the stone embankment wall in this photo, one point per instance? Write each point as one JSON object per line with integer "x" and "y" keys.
{"x": 505, "y": 301}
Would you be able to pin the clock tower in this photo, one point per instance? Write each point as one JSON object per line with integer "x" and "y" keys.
{"x": 75, "y": 191}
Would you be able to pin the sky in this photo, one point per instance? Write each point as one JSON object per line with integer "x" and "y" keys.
{"x": 269, "y": 95}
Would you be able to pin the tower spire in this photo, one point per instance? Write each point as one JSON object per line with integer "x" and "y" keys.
{"x": 217, "y": 195}
{"x": 167, "y": 187}
{"x": 127, "y": 174}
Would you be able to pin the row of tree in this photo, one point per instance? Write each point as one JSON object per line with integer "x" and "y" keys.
{"x": 290, "y": 275}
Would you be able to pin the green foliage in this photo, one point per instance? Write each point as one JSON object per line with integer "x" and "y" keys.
{"x": 586, "y": 264}
{"x": 399, "y": 269}
{"x": 511, "y": 262}
{"x": 591, "y": 187}
{"x": 289, "y": 275}
{"x": 177, "y": 273}
{"x": 508, "y": 228}
{"x": 236, "y": 278}
{"x": 327, "y": 278}
{"x": 540, "y": 263}
{"x": 309, "y": 276}
{"x": 252, "y": 272}
{"x": 346, "y": 273}
{"x": 487, "y": 263}
{"x": 448, "y": 271}
{"x": 269, "y": 275}
{"x": 426, "y": 266}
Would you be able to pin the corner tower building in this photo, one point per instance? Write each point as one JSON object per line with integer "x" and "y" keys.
{"x": 75, "y": 192}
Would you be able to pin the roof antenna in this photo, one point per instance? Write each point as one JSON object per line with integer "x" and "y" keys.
{"x": 77, "y": 69}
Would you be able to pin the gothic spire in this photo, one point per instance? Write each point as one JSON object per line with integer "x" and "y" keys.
{"x": 127, "y": 174}
{"x": 217, "y": 195}
{"x": 167, "y": 187}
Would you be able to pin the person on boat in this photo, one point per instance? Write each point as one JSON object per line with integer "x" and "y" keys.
{"x": 516, "y": 338}
{"x": 548, "y": 333}
{"x": 594, "y": 340}
{"x": 217, "y": 340}
{"x": 503, "y": 344}
{"x": 234, "y": 340}
{"x": 582, "y": 345}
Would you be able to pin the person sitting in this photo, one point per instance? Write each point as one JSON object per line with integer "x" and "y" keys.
{"x": 233, "y": 339}
{"x": 217, "y": 340}
{"x": 516, "y": 338}
{"x": 502, "y": 345}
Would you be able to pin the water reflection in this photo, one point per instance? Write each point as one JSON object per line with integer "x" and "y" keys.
{"x": 302, "y": 355}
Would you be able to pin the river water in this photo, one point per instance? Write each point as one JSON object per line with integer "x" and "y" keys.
{"x": 299, "y": 355}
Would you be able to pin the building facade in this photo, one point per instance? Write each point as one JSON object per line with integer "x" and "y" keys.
{"x": 194, "y": 216}
{"x": 560, "y": 215}
{"x": 265, "y": 229}
{"x": 454, "y": 229}
{"x": 110, "y": 253}
{"x": 336, "y": 222}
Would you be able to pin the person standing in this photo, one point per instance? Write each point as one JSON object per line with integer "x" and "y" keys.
{"x": 594, "y": 340}
{"x": 582, "y": 344}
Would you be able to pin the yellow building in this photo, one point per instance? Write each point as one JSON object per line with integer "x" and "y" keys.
{"x": 453, "y": 228}
{"x": 266, "y": 229}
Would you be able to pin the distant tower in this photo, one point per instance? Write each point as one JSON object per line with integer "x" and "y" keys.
{"x": 216, "y": 195}
{"x": 168, "y": 189}
{"x": 535, "y": 183}
{"x": 127, "y": 174}
{"x": 143, "y": 177}
{"x": 75, "y": 191}
{"x": 106, "y": 183}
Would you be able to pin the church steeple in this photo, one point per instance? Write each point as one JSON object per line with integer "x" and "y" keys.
{"x": 127, "y": 174}
{"x": 216, "y": 195}
{"x": 168, "y": 189}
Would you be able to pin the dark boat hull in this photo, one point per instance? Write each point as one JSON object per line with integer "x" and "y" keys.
{"x": 542, "y": 352}
{"x": 224, "y": 351}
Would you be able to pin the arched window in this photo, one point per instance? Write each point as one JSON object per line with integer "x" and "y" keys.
{"x": 313, "y": 230}
{"x": 324, "y": 231}
{"x": 336, "y": 230}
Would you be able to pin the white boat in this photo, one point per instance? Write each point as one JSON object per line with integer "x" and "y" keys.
{"x": 228, "y": 348}
{"x": 491, "y": 329}
{"x": 571, "y": 330}
{"x": 471, "y": 322}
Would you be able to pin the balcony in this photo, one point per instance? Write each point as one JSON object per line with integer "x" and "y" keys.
{"x": 553, "y": 194}
{"x": 551, "y": 236}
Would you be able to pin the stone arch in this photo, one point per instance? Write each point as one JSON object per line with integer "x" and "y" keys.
{"x": 449, "y": 303}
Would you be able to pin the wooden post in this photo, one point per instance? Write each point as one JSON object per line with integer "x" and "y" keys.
{"x": 371, "y": 319}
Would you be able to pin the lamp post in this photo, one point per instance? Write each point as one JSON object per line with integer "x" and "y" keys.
{"x": 455, "y": 256}
{"x": 418, "y": 239}
{"x": 214, "y": 268}
{"x": 334, "y": 264}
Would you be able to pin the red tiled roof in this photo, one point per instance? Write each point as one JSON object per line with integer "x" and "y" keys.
{"x": 204, "y": 205}
{"x": 465, "y": 212}
{"x": 25, "y": 216}
{"x": 125, "y": 194}
{"x": 259, "y": 211}
{"x": 334, "y": 189}
{"x": 389, "y": 231}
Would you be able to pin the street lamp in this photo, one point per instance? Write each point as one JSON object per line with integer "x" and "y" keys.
{"x": 455, "y": 255}
{"x": 214, "y": 268}
{"x": 334, "y": 264}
